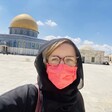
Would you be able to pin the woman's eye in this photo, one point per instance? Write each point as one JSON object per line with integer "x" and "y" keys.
{"x": 69, "y": 60}
{"x": 54, "y": 59}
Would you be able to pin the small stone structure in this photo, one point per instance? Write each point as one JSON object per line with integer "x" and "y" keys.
{"x": 89, "y": 55}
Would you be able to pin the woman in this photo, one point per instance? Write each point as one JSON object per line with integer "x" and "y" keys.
{"x": 60, "y": 76}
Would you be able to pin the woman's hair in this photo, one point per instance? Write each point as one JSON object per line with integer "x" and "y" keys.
{"x": 48, "y": 51}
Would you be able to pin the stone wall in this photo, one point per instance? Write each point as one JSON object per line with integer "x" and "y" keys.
{"x": 92, "y": 56}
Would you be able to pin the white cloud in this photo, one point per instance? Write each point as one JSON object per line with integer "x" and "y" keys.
{"x": 79, "y": 43}
{"x": 40, "y": 23}
{"x": 104, "y": 47}
{"x": 77, "y": 40}
{"x": 50, "y": 23}
{"x": 87, "y": 42}
{"x": 49, "y": 37}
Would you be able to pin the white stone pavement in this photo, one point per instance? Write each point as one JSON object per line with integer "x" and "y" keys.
{"x": 97, "y": 92}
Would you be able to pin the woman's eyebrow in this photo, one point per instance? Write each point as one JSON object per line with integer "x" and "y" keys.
{"x": 64, "y": 56}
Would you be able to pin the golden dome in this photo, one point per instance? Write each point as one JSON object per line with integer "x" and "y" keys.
{"x": 24, "y": 21}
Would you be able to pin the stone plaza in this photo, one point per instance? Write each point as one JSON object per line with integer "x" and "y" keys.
{"x": 17, "y": 70}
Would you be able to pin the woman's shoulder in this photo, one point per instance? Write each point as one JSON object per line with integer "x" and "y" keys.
{"x": 80, "y": 102}
{"x": 24, "y": 96}
{"x": 28, "y": 88}
{"x": 22, "y": 90}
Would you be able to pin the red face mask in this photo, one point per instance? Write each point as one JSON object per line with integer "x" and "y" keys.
{"x": 62, "y": 75}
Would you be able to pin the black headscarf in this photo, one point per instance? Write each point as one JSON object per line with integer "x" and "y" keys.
{"x": 55, "y": 100}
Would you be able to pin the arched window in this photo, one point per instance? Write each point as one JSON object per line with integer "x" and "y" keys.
{"x": 33, "y": 45}
{"x": 93, "y": 59}
{"x": 28, "y": 33}
{"x": 19, "y": 44}
{"x": 24, "y": 44}
{"x": 30, "y": 45}
{"x": 37, "y": 46}
{"x": 14, "y": 43}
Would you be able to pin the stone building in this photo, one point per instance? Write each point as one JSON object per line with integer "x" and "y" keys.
{"x": 89, "y": 55}
{"x": 110, "y": 58}
{"x": 22, "y": 37}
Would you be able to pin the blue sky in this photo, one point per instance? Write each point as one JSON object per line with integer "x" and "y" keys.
{"x": 86, "y": 22}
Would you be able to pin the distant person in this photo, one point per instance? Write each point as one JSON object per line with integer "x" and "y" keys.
{"x": 60, "y": 76}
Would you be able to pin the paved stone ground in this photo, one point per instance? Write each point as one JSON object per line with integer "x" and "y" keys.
{"x": 97, "y": 92}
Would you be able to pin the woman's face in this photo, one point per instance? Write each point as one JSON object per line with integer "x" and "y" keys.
{"x": 65, "y": 53}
